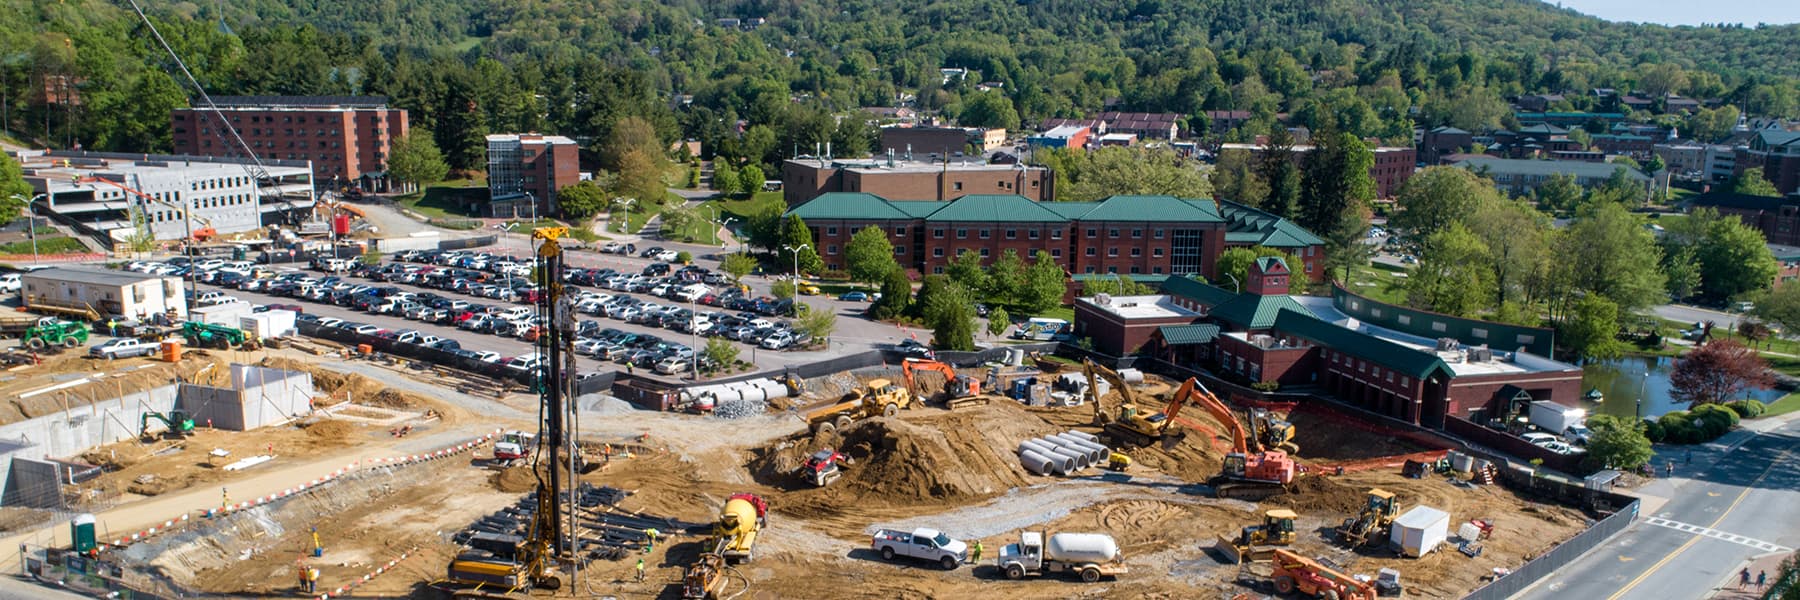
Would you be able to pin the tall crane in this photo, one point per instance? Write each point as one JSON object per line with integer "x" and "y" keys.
{"x": 546, "y": 543}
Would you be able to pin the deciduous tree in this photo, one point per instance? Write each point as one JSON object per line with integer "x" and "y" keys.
{"x": 869, "y": 256}
{"x": 951, "y": 315}
{"x": 1591, "y": 331}
{"x": 1617, "y": 443}
{"x": 415, "y": 158}
{"x": 582, "y": 200}
{"x": 1453, "y": 275}
{"x": 998, "y": 321}
{"x": 1717, "y": 371}
{"x": 1435, "y": 197}
{"x": 896, "y": 296}
{"x": 1044, "y": 286}
{"x": 737, "y": 265}
{"x": 1753, "y": 182}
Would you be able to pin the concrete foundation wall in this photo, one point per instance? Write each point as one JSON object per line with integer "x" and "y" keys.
{"x": 32, "y": 483}
{"x": 271, "y": 396}
{"x": 214, "y": 407}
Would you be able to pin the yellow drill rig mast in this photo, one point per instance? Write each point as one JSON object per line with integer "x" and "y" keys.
{"x": 533, "y": 565}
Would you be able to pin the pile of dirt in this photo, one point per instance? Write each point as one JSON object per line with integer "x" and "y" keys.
{"x": 1318, "y": 495}
{"x": 337, "y": 385}
{"x": 329, "y": 429}
{"x": 513, "y": 480}
{"x": 1326, "y": 437}
{"x": 392, "y": 398}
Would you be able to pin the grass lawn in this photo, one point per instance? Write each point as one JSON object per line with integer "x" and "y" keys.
{"x": 55, "y": 245}
{"x": 1066, "y": 313}
{"x": 1786, "y": 404}
{"x": 1379, "y": 283}
{"x": 448, "y": 200}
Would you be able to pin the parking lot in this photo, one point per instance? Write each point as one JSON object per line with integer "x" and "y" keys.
{"x": 854, "y": 333}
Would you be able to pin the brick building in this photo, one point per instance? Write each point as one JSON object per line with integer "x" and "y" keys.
{"x": 1778, "y": 153}
{"x": 1443, "y": 141}
{"x": 1393, "y": 164}
{"x": 1148, "y": 126}
{"x": 1777, "y": 218}
{"x": 1129, "y": 322}
{"x": 527, "y": 166}
{"x": 922, "y": 142}
{"x": 347, "y": 138}
{"x": 1412, "y": 365}
{"x": 804, "y": 179}
{"x": 1121, "y": 234}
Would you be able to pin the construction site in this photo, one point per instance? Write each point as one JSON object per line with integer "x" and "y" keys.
{"x": 298, "y": 470}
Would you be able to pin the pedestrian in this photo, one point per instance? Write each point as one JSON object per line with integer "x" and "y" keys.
{"x": 1743, "y": 578}
{"x": 975, "y": 553}
{"x": 1762, "y": 578}
{"x": 640, "y": 570}
{"x": 1690, "y": 456}
{"x": 1669, "y": 469}
{"x": 112, "y": 327}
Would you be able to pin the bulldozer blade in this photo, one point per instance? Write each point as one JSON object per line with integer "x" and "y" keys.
{"x": 1229, "y": 550}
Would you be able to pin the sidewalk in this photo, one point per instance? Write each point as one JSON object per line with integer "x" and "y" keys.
{"x": 1728, "y": 589}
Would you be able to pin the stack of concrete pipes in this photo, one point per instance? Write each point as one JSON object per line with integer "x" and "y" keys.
{"x": 1065, "y": 453}
{"x": 732, "y": 400}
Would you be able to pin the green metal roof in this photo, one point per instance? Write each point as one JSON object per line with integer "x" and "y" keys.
{"x": 995, "y": 208}
{"x": 1150, "y": 279}
{"x": 1546, "y": 168}
{"x": 1071, "y": 210}
{"x": 1361, "y": 345}
{"x": 1180, "y": 335}
{"x": 1254, "y": 311}
{"x": 1196, "y": 291}
{"x": 917, "y": 209}
{"x": 1270, "y": 264}
{"x": 1252, "y": 227}
{"x": 848, "y": 205}
{"x": 1153, "y": 208}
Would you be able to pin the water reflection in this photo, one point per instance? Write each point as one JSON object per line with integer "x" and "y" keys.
{"x": 1625, "y": 380}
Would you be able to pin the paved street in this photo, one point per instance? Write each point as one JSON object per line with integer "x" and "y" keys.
{"x": 1688, "y": 315}
{"x": 1730, "y": 505}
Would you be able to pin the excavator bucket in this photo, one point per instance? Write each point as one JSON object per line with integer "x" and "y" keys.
{"x": 1171, "y": 439}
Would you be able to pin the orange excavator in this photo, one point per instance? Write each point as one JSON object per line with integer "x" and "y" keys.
{"x": 202, "y": 234}
{"x": 1246, "y": 475}
{"x": 959, "y": 390}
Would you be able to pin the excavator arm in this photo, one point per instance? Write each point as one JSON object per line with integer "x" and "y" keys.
{"x": 1194, "y": 391}
{"x": 912, "y": 365}
{"x": 1095, "y": 372}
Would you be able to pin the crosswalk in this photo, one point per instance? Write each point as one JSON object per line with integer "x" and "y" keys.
{"x": 1716, "y": 534}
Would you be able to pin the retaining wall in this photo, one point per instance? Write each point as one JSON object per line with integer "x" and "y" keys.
{"x": 72, "y": 432}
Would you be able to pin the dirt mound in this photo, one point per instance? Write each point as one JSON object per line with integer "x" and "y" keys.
{"x": 392, "y": 398}
{"x": 514, "y": 480}
{"x": 1320, "y": 495}
{"x": 1329, "y": 437}
{"x": 327, "y": 381}
{"x": 329, "y": 429}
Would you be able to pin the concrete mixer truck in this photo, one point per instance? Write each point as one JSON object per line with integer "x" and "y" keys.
{"x": 743, "y": 518}
{"x": 1091, "y": 555}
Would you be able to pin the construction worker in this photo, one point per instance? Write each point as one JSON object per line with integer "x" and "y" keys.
{"x": 112, "y": 327}
{"x": 312, "y": 580}
{"x": 975, "y": 553}
{"x": 651, "y": 533}
{"x": 640, "y": 570}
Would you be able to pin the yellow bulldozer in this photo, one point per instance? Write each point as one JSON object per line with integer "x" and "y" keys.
{"x": 1372, "y": 525}
{"x": 1255, "y": 543}
{"x": 881, "y": 398}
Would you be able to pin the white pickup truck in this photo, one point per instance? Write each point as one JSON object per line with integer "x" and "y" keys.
{"x": 924, "y": 544}
{"x": 123, "y": 348}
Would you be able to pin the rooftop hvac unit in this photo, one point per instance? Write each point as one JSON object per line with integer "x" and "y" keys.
{"x": 1262, "y": 340}
{"x": 1481, "y": 354}
{"x": 1447, "y": 343}
{"x": 1103, "y": 299}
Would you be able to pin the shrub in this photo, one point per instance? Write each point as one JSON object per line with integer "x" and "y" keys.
{"x": 1266, "y": 386}
{"x": 1748, "y": 409}
{"x": 1654, "y": 430}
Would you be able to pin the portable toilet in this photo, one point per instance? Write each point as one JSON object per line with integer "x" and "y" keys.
{"x": 81, "y": 531}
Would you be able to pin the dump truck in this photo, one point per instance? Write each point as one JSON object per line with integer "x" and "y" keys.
{"x": 1090, "y": 555}
{"x": 743, "y": 518}
{"x": 55, "y": 334}
{"x": 880, "y": 398}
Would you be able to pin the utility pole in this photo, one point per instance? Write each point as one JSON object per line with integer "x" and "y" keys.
{"x": 795, "y": 250}
{"x": 31, "y": 224}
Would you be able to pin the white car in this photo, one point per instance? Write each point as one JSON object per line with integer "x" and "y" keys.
{"x": 1540, "y": 439}
{"x": 525, "y": 362}
{"x": 10, "y": 282}
{"x": 778, "y": 340}
{"x": 487, "y": 356}
{"x": 217, "y": 300}
{"x": 666, "y": 256}
{"x": 672, "y": 365}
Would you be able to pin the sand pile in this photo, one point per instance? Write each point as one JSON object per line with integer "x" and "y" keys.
{"x": 330, "y": 430}
{"x": 1318, "y": 495}
{"x": 513, "y": 480}
{"x": 392, "y": 398}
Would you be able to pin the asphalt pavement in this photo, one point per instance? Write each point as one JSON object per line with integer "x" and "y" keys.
{"x": 1738, "y": 499}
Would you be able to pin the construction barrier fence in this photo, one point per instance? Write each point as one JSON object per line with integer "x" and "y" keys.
{"x": 1547, "y": 563}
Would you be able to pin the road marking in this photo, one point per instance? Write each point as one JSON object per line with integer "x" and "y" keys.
{"x": 1716, "y": 534}
{"x": 1693, "y": 540}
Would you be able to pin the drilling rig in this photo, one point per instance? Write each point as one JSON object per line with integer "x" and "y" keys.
{"x": 546, "y": 554}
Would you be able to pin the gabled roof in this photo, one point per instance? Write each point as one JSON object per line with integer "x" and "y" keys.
{"x": 1181, "y": 335}
{"x": 1153, "y": 208}
{"x": 917, "y": 208}
{"x": 1778, "y": 138}
{"x": 1446, "y": 129}
{"x": 1255, "y": 311}
{"x": 1249, "y": 226}
{"x": 848, "y": 205}
{"x": 1271, "y": 264}
{"x": 995, "y": 208}
{"x": 1361, "y": 345}
{"x": 1197, "y": 291}
{"x": 1543, "y": 128}
{"x": 1071, "y": 210}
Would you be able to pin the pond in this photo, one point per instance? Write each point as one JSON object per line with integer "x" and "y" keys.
{"x": 1624, "y": 380}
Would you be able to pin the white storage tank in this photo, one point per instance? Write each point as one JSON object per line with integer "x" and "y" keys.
{"x": 1420, "y": 531}
{"x": 1081, "y": 548}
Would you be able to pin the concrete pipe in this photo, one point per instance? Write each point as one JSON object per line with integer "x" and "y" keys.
{"x": 1045, "y": 465}
{"x": 1094, "y": 452}
{"x": 1040, "y": 446}
{"x": 1131, "y": 375}
{"x": 1015, "y": 357}
{"x": 1083, "y": 435}
{"x": 727, "y": 394}
{"x": 1078, "y": 460}
{"x": 773, "y": 388}
{"x": 1082, "y": 460}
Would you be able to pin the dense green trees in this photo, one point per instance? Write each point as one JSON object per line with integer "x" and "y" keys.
{"x": 416, "y": 158}
{"x": 1086, "y": 176}
{"x": 582, "y": 200}
{"x": 1436, "y": 197}
{"x": 869, "y": 257}
{"x": 14, "y": 192}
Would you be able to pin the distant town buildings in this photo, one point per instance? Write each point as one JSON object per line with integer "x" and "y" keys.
{"x": 924, "y": 142}
{"x": 528, "y": 167}
{"x": 1393, "y": 164}
{"x": 895, "y": 178}
{"x": 1778, "y": 153}
{"x": 1521, "y": 177}
{"x": 98, "y": 192}
{"x": 347, "y": 138}
{"x": 1777, "y": 218}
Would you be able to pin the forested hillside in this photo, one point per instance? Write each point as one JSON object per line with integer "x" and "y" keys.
{"x": 1373, "y": 67}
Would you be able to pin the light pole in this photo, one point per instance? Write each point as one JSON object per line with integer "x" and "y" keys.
{"x": 726, "y": 225}
{"x": 31, "y": 224}
{"x": 695, "y": 343}
{"x": 795, "y": 250}
{"x": 1236, "y": 288}
{"x": 626, "y": 202}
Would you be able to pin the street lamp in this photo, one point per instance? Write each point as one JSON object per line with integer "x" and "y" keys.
{"x": 795, "y": 250}
{"x": 726, "y": 225}
{"x": 31, "y": 224}
{"x": 1236, "y": 288}
{"x": 626, "y": 202}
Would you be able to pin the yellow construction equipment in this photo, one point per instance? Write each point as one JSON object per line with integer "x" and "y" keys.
{"x": 1272, "y": 432}
{"x": 1118, "y": 461}
{"x": 959, "y": 390}
{"x": 1372, "y": 526}
{"x": 880, "y": 398}
{"x": 734, "y": 535}
{"x": 1296, "y": 573}
{"x": 705, "y": 579}
{"x": 1254, "y": 543}
{"x": 1127, "y": 406}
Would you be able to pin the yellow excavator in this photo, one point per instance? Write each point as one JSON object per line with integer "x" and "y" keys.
{"x": 1372, "y": 525}
{"x": 1128, "y": 422}
{"x": 881, "y": 398}
{"x": 1272, "y": 432}
{"x": 1255, "y": 543}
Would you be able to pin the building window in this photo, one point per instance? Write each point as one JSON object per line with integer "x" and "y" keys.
{"x": 1375, "y": 312}
{"x": 937, "y": 233}
{"x": 1112, "y": 251}
{"x": 1479, "y": 333}
{"x": 985, "y": 233}
{"x": 1137, "y": 234}
{"x": 984, "y": 252}
{"x": 1156, "y": 270}
{"x": 962, "y": 234}
{"x": 1156, "y": 252}
{"x": 899, "y": 250}
{"x": 1135, "y": 252}
{"x": 1405, "y": 319}
{"x": 1158, "y": 233}
{"x": 1390, "y": 376}
{"x": 899, "y": 232}
{"x": 832, "y": 249}
{"x": 1090, "y": 269}
{"x": 1090, "y": 251}
{"x": 957, "y": 186}
{"x": 1135, "y": 270}
{"x": 1092, "y": 233}
{"x": 1113, "y": 233}
{"x": 1056, "y": 253}
{"x": 937, "y": 270}
{"x": 1527, "y": 339}
{"x": 1056, "y": 234}
{"x": 937, "y": 252}
{"x": 830, "y": 231}
{"x": 1112, "y": 269}
{"x": 1012, "y": 234}
{"x": 1404, "y": 380}
{"x": 1031, "y": 234}
{"x": 1438, "y": 326}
